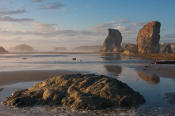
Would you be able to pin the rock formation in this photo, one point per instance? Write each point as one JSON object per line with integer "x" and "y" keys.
{"x": 167, "y": 49}
{"x": 148, "y": 38}
{"x": 129, "y": 49}
{"x": 78, "y": 91}
{"x": 113, "y": 41}
{"x": 22, "y": 48}
{"x": 2, "y": 50}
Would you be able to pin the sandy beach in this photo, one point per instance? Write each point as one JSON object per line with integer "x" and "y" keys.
{"x": 12, "y": 77}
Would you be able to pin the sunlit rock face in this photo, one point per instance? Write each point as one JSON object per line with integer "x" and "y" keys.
{"x": 148, "y": 38}
{"x": 2, "y": 50}
{"x": 78, "y": 91}
{"x": 113, "y": 41}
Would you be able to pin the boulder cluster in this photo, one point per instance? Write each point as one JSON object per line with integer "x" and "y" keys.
{"x": 78, "y": 91}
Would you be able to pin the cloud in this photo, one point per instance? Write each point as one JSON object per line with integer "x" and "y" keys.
{"x": 122, "y": 20}
{"x": 56, "y": 5}
{"x": 138, "y": 24}
{"x": 37, "y": 0}
{"x": 11, "y": 19}
{"x": 5, "y": 13}
{"x": 104, "y": 27}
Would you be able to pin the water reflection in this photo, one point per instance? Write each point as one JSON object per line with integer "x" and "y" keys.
{"x": 170, "y": 97}
{"x": 114, "y": 69}
{"x": 111, "y": 56}
{"x": 149, "y": 78}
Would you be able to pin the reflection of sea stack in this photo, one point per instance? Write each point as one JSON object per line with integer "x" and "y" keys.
{"x": 23, "y": 48}
{"x": 152, "y": 79}
{"x": 148, "y": 38}
{"x": 113, "y": 41}
{"x": 115, "y": 69}
{"x": 3, "y": 51}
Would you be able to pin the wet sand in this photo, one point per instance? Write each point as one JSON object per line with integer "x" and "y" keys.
{"x": 161, "y": 70}
{"x": 7, "y": 78}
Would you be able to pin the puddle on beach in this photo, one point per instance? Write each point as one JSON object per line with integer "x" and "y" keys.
{"x": 159, "y": 91}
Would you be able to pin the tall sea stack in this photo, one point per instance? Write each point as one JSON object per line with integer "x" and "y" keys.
{"x": 113, "y": 41}
{"x": 148, "y": 38}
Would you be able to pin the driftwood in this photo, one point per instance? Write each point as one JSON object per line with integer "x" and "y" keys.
{"x": 165, "y": 62}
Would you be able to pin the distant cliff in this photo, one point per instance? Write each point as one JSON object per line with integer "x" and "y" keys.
{"x": 22, "y": 48}
{"x": 2, "y": 50}
{"x": 60, "y": 49}
{"x": 87, "y": 48}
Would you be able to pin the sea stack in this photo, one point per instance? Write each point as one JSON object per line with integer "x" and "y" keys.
{"x": 113, "y": 41}
{"x": 148, "y": 38}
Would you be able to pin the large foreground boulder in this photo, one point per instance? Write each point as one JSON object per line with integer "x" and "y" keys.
{"x": 78, "y": 91}
{"x": 148, "y": 38}
{"x": 113, "y": 41}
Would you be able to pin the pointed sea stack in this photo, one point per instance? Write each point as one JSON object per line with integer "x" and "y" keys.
{"x": 113, "y": 41}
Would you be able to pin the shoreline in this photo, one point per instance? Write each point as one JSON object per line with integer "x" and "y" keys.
{"x": 12, "y": 77}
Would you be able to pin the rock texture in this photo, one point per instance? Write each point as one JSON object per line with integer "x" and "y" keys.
{"x": 2, "y": 50}
{"x": 129, "y": 49}
{"x": 78, "y": 91}
{"x": 113, "y": 41}
{"x": 148, "y": 38}
{"x": 167, "y": 49}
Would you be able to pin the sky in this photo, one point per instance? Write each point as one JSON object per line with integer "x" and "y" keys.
{"x": 45, "y": 24}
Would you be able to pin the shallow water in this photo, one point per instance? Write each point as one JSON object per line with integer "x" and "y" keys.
{"x": 152, "y": 87}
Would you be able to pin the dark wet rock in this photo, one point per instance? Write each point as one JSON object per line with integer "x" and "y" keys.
{"x": 167, "y": 49}
{"x": 115, "y": 69}
{"x": 170, "y": 97}
{"x": 113, "y": 41}
{"x": 150, "y": 78}
{"x": 78, "y": 91}
{"x": 1, "y": 89}
{"x": 148, "y": 38}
